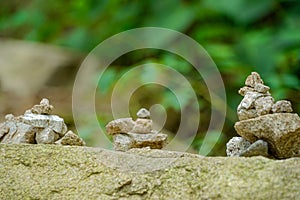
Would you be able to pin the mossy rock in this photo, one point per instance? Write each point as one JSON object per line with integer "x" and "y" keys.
{"x": 67, "y": 172}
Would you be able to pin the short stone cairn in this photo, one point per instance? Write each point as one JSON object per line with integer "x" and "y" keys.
{"x": 128, "y": 134}
{"x": 38, "y": 126}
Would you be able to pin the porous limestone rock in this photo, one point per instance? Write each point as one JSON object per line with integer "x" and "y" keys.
{"x": 70, "y": 138}
{"x": 261, "y": 88}
{"x": 280, "y": 130}
{"x": 238, "y": 146}
{"x": 57, "y": 172}
{"x": 35, "y": 126}
{"x": 282, "y": 106}
{"x": 122, "y": 125}
{"x": 128, "y": 134}
{"x": 142, "y": 126}
{"x": 264, "y": 105}
{"x": 253, "y": 79}
{"x": 122, "y": 142}
{"x": 43, "y": 108}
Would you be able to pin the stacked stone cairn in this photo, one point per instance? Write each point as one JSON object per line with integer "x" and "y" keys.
{"x": 38, "y": 126}
{"x": 128, "y": 134}
{"x": 268, "y": 128}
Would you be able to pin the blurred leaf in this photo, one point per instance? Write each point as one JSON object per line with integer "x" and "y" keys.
{"x": 170, "y": 14}
{"x": 107, "y": 80}
{"x": 291, "y": 81}
{"x": 210, "y": 140}
{"x": 242, "y": 11}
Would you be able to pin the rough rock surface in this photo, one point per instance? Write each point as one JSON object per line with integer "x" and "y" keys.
{"x": 257, "y": 148}
{"x": 69, "y": 172}
{"x": 128, "y": 134}
{"x": 280, "y": 130}
{"x": 70, "y": 139}
{"x": 122, "y": 125}
{"x": 236, "y": 145}
{"x": 282, "y": 106}
{"x": 142, "y": 126}
{"x": 124, "y": 142}
{"x": 37, "y": 126}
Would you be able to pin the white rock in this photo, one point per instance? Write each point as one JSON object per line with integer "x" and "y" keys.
{"x": 46, "y": 136}
{"x": 43, "y": 121}
{"x": 19, "y": 133}
{"x": 143, "y": 113}
{"x": 236, "y": 145}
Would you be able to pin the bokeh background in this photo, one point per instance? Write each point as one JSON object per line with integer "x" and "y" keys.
{"x": 43, "y": 43}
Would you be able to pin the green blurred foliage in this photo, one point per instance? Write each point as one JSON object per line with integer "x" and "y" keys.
{"x": 241, "y": 36}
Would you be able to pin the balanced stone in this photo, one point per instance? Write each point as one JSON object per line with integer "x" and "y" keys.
{"x": 143, "y": 113}
{"x": 46, "y": 136}
{"x": 126, "y": 141}
{"x": 19, "y": 133}
{"x": 236, "y": 145}
{"x": 258, "y": 148}
{"x": 43, "y": 121}
{"x": 253, "y": 79}
{"x": 282, "y": 106}
{"x": 280, "y": 130}
{"x": 37, "y": 126}
{"x": 245, "y": 89}
{"x": 261, "y": 88}
{"x": 128, "y": 134}
{"x": 263, "y": 105}
{"x": 71, "y": 139}
{"x": 123, "y": 125}
{"x": 43, "y": 108}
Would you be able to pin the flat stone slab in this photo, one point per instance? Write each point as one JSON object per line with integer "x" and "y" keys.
{"x": 69, "y": 172}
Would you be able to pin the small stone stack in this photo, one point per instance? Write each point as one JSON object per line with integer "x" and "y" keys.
{"x": 38, "y": 126}
{"x": 128, "y": 134}
{"x": 268, "y": 128}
